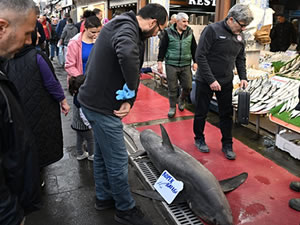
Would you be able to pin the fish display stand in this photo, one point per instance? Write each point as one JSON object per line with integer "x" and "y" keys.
{"x": 283, "y": 140}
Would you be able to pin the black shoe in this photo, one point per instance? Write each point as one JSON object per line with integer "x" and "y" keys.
{"x": 229, "y": 153}
{"x": 181, "y": 104}
{"x": 172, "y": 112}
{"x": 295, "y": 204}
{"x": 51, "y": 58}
{"x": 295, "y": 185}
{"x": 133, "y": 216}
{"x": 201, "y": 145}
{"x": 104, "y": 204}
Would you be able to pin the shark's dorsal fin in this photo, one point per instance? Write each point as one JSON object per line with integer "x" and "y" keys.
{"x": 165, "y": 138}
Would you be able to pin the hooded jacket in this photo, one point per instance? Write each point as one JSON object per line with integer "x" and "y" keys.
{"x": 69, "y": 31}
{"x": 73, "y": 64}
{"x": 116, "y": 59}
{"x": 19, "y": 171}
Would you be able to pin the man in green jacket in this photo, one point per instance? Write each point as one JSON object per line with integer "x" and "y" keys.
{"x": 177, "y": 47}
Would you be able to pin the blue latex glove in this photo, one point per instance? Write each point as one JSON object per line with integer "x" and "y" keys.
{"x": 126, "y": 93}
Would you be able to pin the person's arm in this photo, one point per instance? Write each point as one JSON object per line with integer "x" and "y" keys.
{"x": 58, "y": 29}
{"x": 240, "y": 63}
{"x": 71, "y": 60}
{"x": 10, "y": 210}
{"x": 204, "y": 47}
{"x": 41, "y": 32}
{"x": 163, "y": 47}
{"x": 127, "y": 51}
{"x": 293, "y": 35}
{"x": 193, "y": 48}
{"x": 52, "y": 85}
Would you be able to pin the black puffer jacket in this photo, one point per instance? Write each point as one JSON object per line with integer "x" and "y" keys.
{"x": 19, "y": 171}
{"x": 42, "y": 111}
{"x": 115, "y": 59}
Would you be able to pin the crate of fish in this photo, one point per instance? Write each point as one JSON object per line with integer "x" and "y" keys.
{"x": 290, "y": 142}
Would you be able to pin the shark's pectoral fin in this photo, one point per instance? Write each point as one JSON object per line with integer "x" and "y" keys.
{"x": 142, "y": 160}
{"x": 149, "y": 194}
{"x": 180, "y": 198}
{"x": 232, "y": 183}
{"x": 138, "y": 153}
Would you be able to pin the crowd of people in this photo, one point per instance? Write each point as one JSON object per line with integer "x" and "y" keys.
{"x": 103, "y": 62}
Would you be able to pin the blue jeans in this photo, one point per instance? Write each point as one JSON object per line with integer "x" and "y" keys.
{"x": 53, "y": 49}
{"x": 61, "y": 55}
{"x": 110, "y": 159}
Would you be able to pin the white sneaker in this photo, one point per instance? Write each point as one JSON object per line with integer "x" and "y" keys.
{"x": 83, "y": 156}
{"x": 91, "y": 157}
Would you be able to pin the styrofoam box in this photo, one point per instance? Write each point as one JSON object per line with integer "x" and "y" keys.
{"x": 284, "y": 142}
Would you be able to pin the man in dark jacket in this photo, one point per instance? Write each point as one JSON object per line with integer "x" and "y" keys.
{"x": 40, "y": 29}
{"x": 220, "y": 48}
{"x": 178, "y": 46}
{"x": 61, "y": 25}
{"x": 19, "y": 172}
{"x": 114, "y": 65}
{"x": 282, "y": 35}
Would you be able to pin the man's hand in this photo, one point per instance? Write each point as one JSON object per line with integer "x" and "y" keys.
{"x": 215, "y": 86}
{"x": 65, "y": 108}
{"x": 243, "y": 84}
{"x": 123, "y": 111}
{"x": 159, "y": 67}
{"x": 195, "y": 67}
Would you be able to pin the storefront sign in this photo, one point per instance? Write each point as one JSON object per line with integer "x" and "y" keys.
{"x": 203, "y": 2}
{"x": 202, "y": 5}
{"x": 122, "y": 2}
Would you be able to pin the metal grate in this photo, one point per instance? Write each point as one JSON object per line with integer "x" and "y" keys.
{"x": 180, "y": 213}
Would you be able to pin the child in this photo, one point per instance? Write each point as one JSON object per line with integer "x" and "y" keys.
{"x": 79, "y": 123}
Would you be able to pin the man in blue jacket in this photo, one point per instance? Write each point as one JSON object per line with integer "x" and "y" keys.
{"x": 220, "y": 48}
{"x": 107, "y": 95}
{"x": 19, "y": 171}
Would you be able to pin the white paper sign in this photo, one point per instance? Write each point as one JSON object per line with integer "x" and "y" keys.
{"x": 168, "y": 187}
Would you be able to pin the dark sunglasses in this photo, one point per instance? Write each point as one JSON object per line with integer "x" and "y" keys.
{"x": 242, "y": 25}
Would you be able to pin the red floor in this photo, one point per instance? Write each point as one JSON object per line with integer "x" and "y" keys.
{"x": 261, "y": 200}
{"x": 145, "y": 76}
{"x": 150, "y": 105}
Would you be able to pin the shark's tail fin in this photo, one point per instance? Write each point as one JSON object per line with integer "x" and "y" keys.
{"x": 165, "y": 138}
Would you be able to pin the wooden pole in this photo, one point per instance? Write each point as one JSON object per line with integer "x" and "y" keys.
{"x": 222, "y": 9}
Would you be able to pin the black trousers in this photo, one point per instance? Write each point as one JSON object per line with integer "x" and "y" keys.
{"x": 224, "y": 98}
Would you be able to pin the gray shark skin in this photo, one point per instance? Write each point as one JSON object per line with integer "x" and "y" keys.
{"x": 202, "y": 190}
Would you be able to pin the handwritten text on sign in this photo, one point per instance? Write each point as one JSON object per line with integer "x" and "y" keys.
{"x": 168, "y": 187}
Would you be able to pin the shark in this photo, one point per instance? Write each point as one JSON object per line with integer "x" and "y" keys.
{"x": 203, "y": 193}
